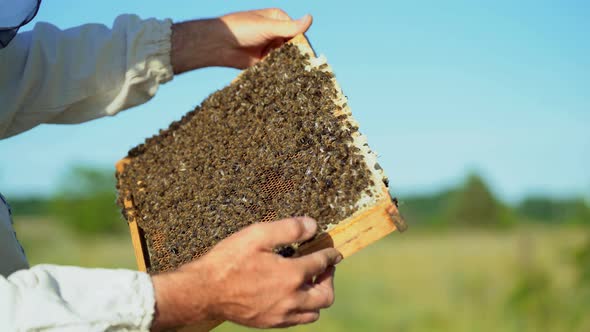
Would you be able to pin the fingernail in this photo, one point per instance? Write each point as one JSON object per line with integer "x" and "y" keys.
{"x": 309, "y": 224}
{"x": 338, "y": 259}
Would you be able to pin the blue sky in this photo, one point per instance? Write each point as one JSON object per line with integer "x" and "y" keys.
{"x": 440, "y": 88}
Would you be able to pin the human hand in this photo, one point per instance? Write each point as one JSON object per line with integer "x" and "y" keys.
{"x": 236, "y": 40}
{"x": 244, "y": 281}
{"x": 256, "y": 32}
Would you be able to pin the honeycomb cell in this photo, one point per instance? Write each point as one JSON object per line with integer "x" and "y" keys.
{"x": 266, "y": 147}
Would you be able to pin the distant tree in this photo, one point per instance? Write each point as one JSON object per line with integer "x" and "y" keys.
{"x": 542, "y": 208}
{"x": 29, "y": 206}
{"x": 539, "y": 208}
{"x": 425, "y": 210}
{"x": 86, "y": 201}
{"x": 580, "y": 212}
{"x": 475, "y": 205}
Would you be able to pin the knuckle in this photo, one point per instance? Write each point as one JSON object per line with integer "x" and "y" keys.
{"x": 290, "y": 274}
{"x": 286, "y": 321}
{"x": 290, "y": 304}
{"x": 296, "y": 228}
{"x": 331, "y": 254}
{"x": 322, "y": 261}
{"x": 296, "y": 277}
{"x": 277, "y": 12}
{"x": 276, "y": 322}
{"x": 256, "y": 231}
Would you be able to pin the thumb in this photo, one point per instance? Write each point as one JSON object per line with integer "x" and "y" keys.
{"x": 282, "y": 232}
{"x": 291, "y": 28}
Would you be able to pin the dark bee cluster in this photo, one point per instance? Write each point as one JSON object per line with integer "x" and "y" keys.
{"x": 266, "y": 147}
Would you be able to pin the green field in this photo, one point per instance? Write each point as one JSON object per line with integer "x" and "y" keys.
{"x": 419, "y": 281}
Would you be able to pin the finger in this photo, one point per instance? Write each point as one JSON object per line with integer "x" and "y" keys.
{"x": 299, "y": 318}
{"x": 326, "y": 279}
{"x": 289, "y": 29}
{"x": 318, "y": 262}
{"x": 276, "y": 43}
{"x": 319, "y": 295}
{"x": 307, "y": 317}
{"x": 274, "y": 13}
{"x": 305, "y": 22}
{"x": 282, "y": 232}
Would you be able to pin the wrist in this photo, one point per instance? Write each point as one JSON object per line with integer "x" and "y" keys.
{"x": 181, "y": 299}
{"x": 199, "y": 43}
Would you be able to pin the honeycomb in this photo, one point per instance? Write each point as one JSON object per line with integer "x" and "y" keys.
{"x": 277, "y": 142}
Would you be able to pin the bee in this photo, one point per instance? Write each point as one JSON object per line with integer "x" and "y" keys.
{"x": 265, "y": 147}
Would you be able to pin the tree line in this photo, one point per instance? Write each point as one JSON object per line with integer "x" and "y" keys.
{"x": 86, "y": 197}
{"x": 472, "y": 203}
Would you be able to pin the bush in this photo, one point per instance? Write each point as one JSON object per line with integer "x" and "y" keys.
{"x": 86, "y": 201}
{"x": 475, "y": 205}
{"x": 545, "y": 209}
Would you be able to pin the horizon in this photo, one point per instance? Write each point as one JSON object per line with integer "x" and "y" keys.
{"x": 447, "y": 89}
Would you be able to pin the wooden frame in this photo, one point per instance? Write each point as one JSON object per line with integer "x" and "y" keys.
{"x": 349, "y": 236}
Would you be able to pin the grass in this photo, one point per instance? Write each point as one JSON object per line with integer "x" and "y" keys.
{"x": 46, "y": 241}
{"x": 418, "y": 281}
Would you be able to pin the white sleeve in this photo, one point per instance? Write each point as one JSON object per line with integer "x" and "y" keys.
{"x": 63, "y": 298}
{"x": 49, "y": 75}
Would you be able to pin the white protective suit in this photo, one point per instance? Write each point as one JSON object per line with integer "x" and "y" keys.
{"x": 52, "y": 76}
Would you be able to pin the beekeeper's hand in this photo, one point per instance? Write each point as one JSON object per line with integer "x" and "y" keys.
{"x": 243, "y": 281}
{"x": 236, "y": 40}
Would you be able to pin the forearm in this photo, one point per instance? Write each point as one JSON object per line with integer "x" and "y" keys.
{"x": 198, "y": 44}
{"x": 49, "y": 297}
{"x": 50, "y": 75}
{"x": 236, "y": 40}
{"x": 183, "y": 298}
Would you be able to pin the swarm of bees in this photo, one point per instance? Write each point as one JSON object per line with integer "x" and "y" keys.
{"x": 266, "y": 147}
